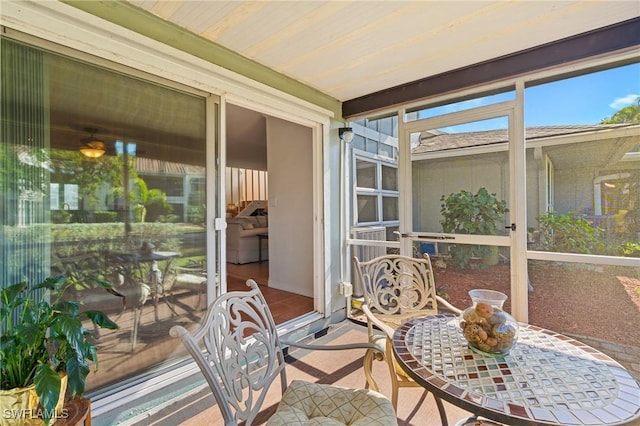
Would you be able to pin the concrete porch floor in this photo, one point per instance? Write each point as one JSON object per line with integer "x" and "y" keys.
{"x": 342, "y": 368}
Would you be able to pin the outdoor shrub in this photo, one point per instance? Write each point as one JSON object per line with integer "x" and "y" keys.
{"x": 196, "y": 214}
{"x": 631, "y": 249}
{"x": 157, "y": 207}
{"x": 467, "y": 213}
{"x": 569, "y": 233}
{"x": 105, "y": 216}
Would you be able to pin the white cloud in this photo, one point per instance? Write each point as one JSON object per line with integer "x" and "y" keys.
{"x": 620, "y": 103}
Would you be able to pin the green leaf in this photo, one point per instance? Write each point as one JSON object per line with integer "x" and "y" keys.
{"x": 9, "y": 294}
{"x": 101, "y": 319}
{"x": 51, "y": 283}
{"x": 101, "y": 283}
{"x": 77, "y": 371}
{"x": 71, "y": 329}
{"x": 70, "y": 308}
{"x": 47, "y": 383}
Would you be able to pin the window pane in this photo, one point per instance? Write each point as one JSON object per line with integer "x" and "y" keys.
{"x": 473, "y": 185}
{"x": 597, "y": 303}
{"x": 366, "y": 176}
{"x": 358, "y": 142}
{"x": 389, "y": 178}
{"x": 367, "y": 208}
{"x": 390, "y": 208}
{"x": 388, "y": 151}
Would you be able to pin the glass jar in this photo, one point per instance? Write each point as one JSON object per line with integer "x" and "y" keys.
{"x": 487, "y": 328}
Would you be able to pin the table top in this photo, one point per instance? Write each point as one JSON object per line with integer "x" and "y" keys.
{"x": 546, "y": 379}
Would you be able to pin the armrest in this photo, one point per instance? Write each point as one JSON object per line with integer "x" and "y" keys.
{"x": 448, "y": 305}
{"x": 348, "y": 346}
{"x": 377, "y": 322}
{"x": 187, "y": 270}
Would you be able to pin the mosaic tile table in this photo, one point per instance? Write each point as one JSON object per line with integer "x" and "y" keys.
{"x": 546, "y": 379}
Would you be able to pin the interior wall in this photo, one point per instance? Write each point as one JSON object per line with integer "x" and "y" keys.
{"x": 290, "y": 166}
{"x": 246, "y": 140}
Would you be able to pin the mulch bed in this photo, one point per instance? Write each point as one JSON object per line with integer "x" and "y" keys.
{"x": 600, "y": 302}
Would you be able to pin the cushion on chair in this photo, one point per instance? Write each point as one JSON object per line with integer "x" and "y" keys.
{"x": 305, "y": 403}
{"x": 190, "y": 281}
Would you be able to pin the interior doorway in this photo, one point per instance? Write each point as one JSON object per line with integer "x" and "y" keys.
{"x": 269, "y": 198}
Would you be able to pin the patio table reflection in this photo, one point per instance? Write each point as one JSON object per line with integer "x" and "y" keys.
{"x": 140, "y": 272}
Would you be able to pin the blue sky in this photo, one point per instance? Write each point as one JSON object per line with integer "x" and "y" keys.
{"x": 586, "y": 99}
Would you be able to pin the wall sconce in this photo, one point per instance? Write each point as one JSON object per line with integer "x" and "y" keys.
{"x": 345, "y": 134}
{"x": 93, "y": 147}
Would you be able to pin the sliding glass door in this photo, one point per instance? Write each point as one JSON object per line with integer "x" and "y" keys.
{"x": 106, "y": 175}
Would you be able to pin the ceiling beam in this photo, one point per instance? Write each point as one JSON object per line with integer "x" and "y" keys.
{"x": 612, "y": 38}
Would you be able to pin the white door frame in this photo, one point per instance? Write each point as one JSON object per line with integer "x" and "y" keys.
{"x": 517, "y": 184}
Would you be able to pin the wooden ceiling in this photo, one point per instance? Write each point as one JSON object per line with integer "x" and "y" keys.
{"x": 352, "y": 49}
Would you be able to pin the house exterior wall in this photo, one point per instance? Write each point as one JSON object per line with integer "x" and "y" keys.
{"x": 446, "y": 176}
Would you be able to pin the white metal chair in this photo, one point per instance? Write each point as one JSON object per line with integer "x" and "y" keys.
{"x": 239, "y": 353}
{"x": 192, "y": 277}
{"x": 396, "y": 288}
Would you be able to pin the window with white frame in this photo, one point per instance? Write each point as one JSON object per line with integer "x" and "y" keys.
{"x": 376, "y": 190}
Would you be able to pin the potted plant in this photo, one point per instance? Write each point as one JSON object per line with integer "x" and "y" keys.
{"x": 467, "y": 213}
{"x": 43, "y": 344}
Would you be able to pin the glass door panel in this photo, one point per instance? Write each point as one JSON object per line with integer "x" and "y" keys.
{"x": 460, "y": 204}
{"x": 130, "y": 211}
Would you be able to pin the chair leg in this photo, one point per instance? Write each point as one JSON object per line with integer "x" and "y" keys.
{"x": 199, "y": 298}
{"x": 394, "y": 383}
{"x": 368, "y": 368}
{"x": 394, "y": 392}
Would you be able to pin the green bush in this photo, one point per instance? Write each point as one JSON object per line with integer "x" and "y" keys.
{"x": 569, "y": 233}
{"x": 467, "y": 213}
{"x": 105, "y": 217}
{"x": 631, "y": 249}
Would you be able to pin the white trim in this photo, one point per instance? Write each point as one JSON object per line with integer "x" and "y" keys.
{"x": 553, "y": 256}
{"x": 486, "y": 112}
{"x": 322, "y": 224}
{"x": 215, "y": 163}
{"x": 518, "y": 211}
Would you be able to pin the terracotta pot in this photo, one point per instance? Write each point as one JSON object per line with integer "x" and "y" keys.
{"x": 20, "y": 406}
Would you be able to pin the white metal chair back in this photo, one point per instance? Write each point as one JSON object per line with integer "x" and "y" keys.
{"x": 397, "y": 287}
{"x": 236, "y": 345}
